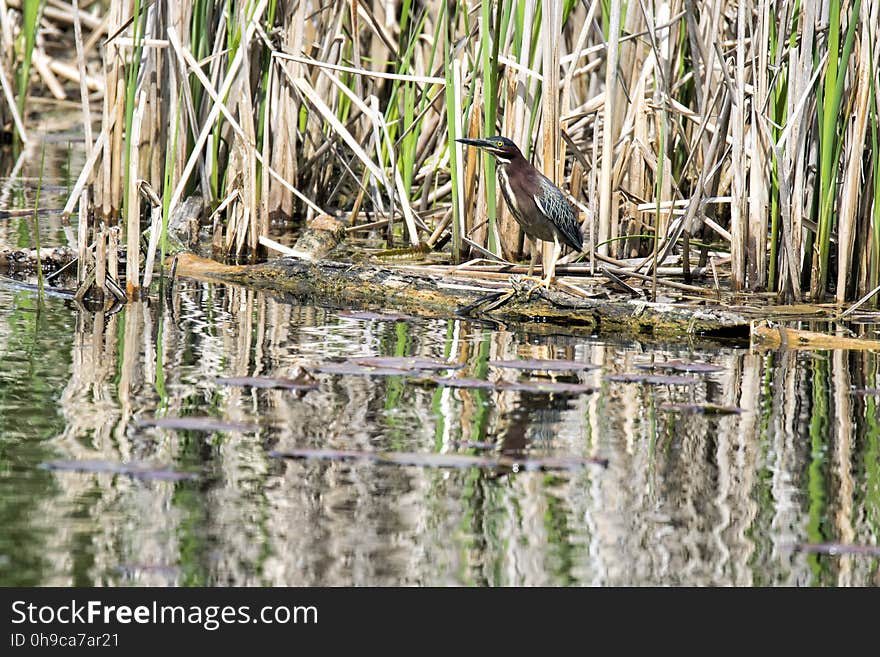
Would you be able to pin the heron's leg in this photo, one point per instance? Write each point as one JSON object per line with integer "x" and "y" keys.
{"x": 534, "y": 244}
{"x": 551, "y": 269}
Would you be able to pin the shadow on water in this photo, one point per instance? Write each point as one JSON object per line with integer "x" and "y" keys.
{"x": 93, "y": 492}
{"x": 738, "y": 474}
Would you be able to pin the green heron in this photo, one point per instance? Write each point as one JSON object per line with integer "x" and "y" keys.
{"x": 539, "y": 206}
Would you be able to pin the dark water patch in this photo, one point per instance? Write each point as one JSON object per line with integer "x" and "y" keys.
{"x": 138, "y": 470}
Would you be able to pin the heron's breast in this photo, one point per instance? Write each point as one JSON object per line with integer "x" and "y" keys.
{"x": 528, "y": 216}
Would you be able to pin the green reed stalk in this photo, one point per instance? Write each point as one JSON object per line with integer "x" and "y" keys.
{"x": 830, "y": 142}
{"x": 130, "y": 90}
{"x": 778, "y": 110}
{"x": 780, "y": 116}
{"x": 451, "y": 123}
{"x": 408, "y": 92}
{"x": 874, "y": 110}
{"x": 30, "y": 21}
{"x": 489, "y": 45}
{"x": 264, "y": 101}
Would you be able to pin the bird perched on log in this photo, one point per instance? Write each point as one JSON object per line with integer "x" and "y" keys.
{"x": 539, "y": 206}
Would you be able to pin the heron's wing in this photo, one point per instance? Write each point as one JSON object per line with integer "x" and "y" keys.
{"x": 553, "y": 205}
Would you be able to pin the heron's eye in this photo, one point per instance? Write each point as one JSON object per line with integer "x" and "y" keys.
{"x": 499, "y": 144}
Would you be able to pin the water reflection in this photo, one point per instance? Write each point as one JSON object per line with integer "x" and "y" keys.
{"x": 687, "y": 498}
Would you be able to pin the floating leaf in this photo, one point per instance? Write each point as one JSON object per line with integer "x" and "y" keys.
{"x": 406, "y": 363}
{"x": 681, "y": 366}
{"x": 652, "y": 379}
{"x": 549, "y": 365}
{"x": 268, "y": 382}
{"x": 196, "y": 424}
{"x": 706, "y": 409}
{"x": 135, "y": 469}
{"x": 443, "y": 460}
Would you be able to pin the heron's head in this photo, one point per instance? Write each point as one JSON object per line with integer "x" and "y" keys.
{"x": 501, "y": 147}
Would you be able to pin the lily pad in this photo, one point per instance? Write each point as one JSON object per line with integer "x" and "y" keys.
{"x": 194, "y": 423}
{"x": 135, "y": 469}
{"x": 549, "y": 365}
{"x": 268, "y": 382}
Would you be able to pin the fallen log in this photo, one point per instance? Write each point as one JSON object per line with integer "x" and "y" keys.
{"x": 51, "y": 259}
{"x": 407, "y": 289}
{"x": 781, "y": 337}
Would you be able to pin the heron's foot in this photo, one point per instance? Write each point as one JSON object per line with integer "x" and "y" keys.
{"x": 529, "y": 284}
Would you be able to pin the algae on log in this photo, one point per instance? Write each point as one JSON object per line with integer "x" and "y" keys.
{"x": 433, "y": 295}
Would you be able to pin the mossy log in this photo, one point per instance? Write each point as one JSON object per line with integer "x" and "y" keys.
{"x": 14, "y": 261}
{"x": 428, "y": 294}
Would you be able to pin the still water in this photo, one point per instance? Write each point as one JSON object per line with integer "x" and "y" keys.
{"x": 687, "y": 497}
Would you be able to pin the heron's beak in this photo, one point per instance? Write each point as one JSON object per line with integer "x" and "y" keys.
{"x": 479, "y": 143}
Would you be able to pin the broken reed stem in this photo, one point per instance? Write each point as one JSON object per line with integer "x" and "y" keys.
{"x": 133, "y": 207}
{"x": 608, "y": 127}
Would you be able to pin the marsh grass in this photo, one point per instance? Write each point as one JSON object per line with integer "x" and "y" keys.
{"x": 739, "y": 139}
